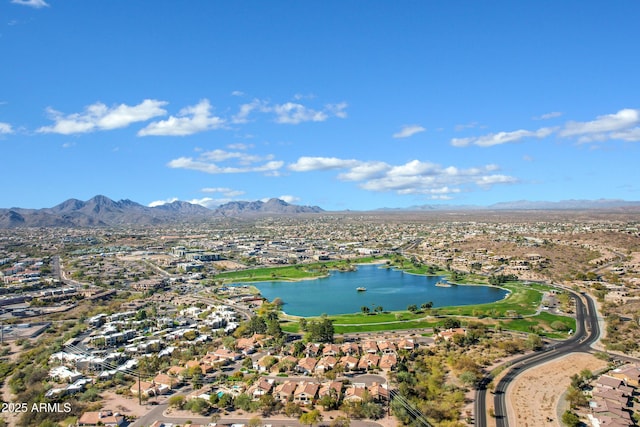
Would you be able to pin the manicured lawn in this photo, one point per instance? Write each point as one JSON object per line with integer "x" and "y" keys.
{"x": 541, "y": 324}
{"x": 523, "y": 300}
{"x": 384, "y": 327}
{"x": 292, "y": 327}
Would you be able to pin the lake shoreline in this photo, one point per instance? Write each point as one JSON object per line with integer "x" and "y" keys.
{"x": 388, "y": 287}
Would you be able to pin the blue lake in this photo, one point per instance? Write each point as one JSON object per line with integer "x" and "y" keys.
{"x": 389, "y": 288}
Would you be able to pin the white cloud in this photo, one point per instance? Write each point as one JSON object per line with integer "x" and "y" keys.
{"x": 414, "y": 168}
{"x": 430, "y": 179}
{"x": 462, "y": 127}
{"x": 208, "y": 202}
{"x": 190, "y": 120}
{"x": 209, "y": 162}
{"x": 337, "y": 110}
{"x": 300, "y": 96}
{"x": 501, "y": 137}
{"x": 242, "y": 158}
{"x": 622, "y": 125}
{"x": 306, "y": 164}
{"x": 237, "y": 93}
{"x": 5, "y": 128}
{"x": 227, "y": 192}
{"x": 489, "y": 180}
{"x": 408, "y": 130}
{"x": 364, "y": 171}
{"x": 240, "y": 146}
{"x": 36, "y": 4}
{"x": 604, "y": 127}
{"x": 631, "y": 135}
{"x": 162, "y": 202}
{"x": 246, "y": 109}
{"x": 100, "y": 117}
{"x": 413, "y": 177}
{"x": 294, "y": 113}
{"x": 212, "y": 168}
{"x": 289, "y": 199}
{"x": 548, "y": 116}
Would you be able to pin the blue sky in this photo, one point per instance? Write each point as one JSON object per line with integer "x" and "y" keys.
{"x": 341, "y": 104}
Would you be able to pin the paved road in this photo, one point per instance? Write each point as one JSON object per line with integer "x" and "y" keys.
{"x": 156, "y": 413}
{"x": 586, "y": 334}
{"x": 276, "y": 421}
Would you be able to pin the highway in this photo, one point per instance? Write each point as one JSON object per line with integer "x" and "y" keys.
{"x": 587, "y": 332}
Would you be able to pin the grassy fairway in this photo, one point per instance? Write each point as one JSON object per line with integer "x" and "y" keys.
{"x": 541, "y": 324}
{"x": 523, "y": 300}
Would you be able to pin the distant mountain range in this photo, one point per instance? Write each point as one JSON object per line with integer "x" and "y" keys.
{"x": 527, "y": 205}
{"x": 101, "y": 211}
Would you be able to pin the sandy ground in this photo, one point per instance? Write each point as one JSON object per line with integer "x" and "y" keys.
{"x": 534, "y": 396}
{"x": 129, "y": 406}
{"x": 327, "y": 417}
{"x": 124, "y": 405}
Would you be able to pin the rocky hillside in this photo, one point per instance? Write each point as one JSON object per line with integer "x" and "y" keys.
{"x": 100, "y": 211}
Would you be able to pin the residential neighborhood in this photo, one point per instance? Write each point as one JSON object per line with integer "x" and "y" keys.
{"x": 147, "y": 327}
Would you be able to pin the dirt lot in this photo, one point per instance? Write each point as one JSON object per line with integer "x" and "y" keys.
{"x": 535, "y": 394}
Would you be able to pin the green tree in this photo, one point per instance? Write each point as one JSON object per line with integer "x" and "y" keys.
{"x": 576, "y": 398}
{"x": 412, "y": 308}
{"x": 320, "y": 330}
{"x": 340, "y": 421}
{"x": 197, "y": 406}
{"x": 141, "y": 315}
{"x": 292, "y": 410}
{"x": 226, "y": 401}
{"x": 268, "y": 404}
{"x": 570, "y": 419}
{"x": 243, "y": 401}
{"x": 427, "y": 305}
{"x": 469, "y": 378}
{"x": 328, "y": 402}
{"x": 310, "y": 417}
{"x": 534, "y": 342}
{"x": 176, "y": 401}
{"x": 450, "y": 323}
{"x": 256, "y": 325}
{"x": 372, "y": 410}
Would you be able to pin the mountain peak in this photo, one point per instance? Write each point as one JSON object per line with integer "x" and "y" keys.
{"x": 103, "y": 211}
{"x": 271, "y": 206}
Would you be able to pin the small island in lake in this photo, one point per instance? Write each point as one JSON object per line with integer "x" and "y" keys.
{"x": 443, "y": 284}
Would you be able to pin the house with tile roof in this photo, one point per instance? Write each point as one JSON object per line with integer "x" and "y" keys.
{"x": 306, "y": 392}
{"x": 284, "y": 391}
{"x": 100, "y": 418}
{"x": 260, "y": 388}
{"x": 306, "y": 365}
{"x": 369, "y": 361}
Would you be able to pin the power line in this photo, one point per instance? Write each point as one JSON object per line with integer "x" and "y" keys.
{"x": 408, "y": 406}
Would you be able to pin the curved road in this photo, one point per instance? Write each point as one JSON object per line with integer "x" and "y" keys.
{"x": 586, "y": 334}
